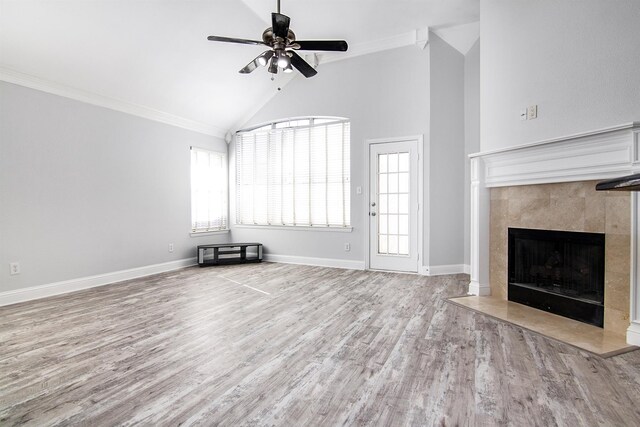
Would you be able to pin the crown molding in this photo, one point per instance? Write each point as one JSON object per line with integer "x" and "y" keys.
{"x": 22, "y": 79}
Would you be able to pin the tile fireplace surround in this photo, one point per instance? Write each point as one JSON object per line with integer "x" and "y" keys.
{"x": 551, "y": 185}
{"x": 574, "y": 206}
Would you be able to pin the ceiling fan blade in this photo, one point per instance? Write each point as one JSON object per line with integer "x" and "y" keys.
{"x": 327, "y": 45}
{"x": 301, "y": 65}
{"x": 233, "y": 40}
{"x": 280, "y": 25}
{"x": 260, "y": 60}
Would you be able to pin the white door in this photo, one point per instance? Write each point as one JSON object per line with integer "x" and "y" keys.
{"x": 393, "y": 206}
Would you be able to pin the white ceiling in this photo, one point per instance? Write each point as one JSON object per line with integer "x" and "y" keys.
{"x": 154, "y": 53}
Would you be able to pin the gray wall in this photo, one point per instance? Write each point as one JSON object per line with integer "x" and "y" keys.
{"x": 447, "y": 153}
{"x": 385, "y": 95}
{"x": 577, "y": 60}
{"x": 471, "y": 129}
{"x": 86, "y": 190}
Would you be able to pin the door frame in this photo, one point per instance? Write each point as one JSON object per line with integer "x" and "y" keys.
{"x": 423, "y": 192}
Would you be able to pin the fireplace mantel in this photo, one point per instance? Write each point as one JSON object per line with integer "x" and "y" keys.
{"x": 594, "y": 155}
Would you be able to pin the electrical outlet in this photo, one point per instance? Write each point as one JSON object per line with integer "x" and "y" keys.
{"x": 523, "y": 114}
{"x": 358, "y": 190}
{"x": 532, "y": 112}
{"x": 14, "y": 268}
{"x": 347, "y": 247}
{"x": 170, "y": 247}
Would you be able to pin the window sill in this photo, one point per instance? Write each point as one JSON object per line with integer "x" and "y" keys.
{"x": 207, "y": 233}
{"x": 296, "y": 228}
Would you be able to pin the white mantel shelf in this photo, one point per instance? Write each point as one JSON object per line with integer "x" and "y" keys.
{"x": 599, "y": 154}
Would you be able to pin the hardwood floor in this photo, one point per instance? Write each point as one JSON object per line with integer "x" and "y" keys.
{"x": 300, "y": 346}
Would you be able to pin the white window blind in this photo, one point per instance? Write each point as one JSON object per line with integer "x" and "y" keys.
{"x": 295, "y": 175}
{"x": 208, "y": 190}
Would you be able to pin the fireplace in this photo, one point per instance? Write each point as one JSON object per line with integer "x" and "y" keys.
{"x": 561, "y": 272}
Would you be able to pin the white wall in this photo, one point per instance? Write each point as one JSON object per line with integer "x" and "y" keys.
{"x": 447, "y": 154}
{"x": 86, "y": 190}
{"x": 385, "y": 94}
{"x": 577, "y": 60}
{"x": 471, "y": 128}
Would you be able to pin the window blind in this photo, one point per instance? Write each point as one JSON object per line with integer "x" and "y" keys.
{"x": 208, "y": 190}
{"x": 294, "y": 176}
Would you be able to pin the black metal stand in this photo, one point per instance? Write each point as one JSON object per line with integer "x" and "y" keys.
{"x": 229, "y": 253}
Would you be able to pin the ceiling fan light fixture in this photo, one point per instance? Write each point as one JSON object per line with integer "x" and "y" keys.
{"x": 262, "y": 61}
{"x": 283, "y": 60}
{"x": 288, "y": 69}
{"x": 273, "y": 65}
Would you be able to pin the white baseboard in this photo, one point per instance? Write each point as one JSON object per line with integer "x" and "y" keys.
{"x": 57, "y": 288}
{"x": 441, "y": 270}
{"x": 479, "y": 289}
{"x": 633, "y": 334}
{"x": 320, "y": 262}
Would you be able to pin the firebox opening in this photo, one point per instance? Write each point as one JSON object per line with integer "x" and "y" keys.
{"x": 561, "y": 272}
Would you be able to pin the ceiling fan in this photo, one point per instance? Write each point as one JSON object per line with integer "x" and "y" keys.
{"x": 283, "y": 45}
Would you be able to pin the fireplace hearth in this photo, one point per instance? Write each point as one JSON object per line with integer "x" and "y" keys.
{"x": 560, "y": 272}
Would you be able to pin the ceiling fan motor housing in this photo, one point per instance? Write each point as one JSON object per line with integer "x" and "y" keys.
{"x": 283, "y": 45}
{"x": 269, "y": 39}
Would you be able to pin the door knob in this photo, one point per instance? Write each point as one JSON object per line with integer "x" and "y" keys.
{"x": 373, "y": 204}
{"x": 373, "y": 214}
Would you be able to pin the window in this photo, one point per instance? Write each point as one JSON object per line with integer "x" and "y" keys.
{"x": 208, "y": 190}
{"x": 294, "y": 173}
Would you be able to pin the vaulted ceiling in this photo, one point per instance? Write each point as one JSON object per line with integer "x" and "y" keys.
{"x": 154, "y": 54}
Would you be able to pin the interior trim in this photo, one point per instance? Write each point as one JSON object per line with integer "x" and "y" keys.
{"x": 66, "y": 286}
{"x": 22, "y": 79}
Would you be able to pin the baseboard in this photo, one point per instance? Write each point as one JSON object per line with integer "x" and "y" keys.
{"x": 320, "y": 262}
{"x": 633, "y": 334}
{"x": 479, "y": 289}
{"x": 57, "y": 288}
{"x": 441, "y": 270}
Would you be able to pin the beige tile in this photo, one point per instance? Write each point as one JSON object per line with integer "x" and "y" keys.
{"x": 594, "y": 215}
{"x": 499, "y": 193}
{"x": 498, "y": 209}
{"x": 571, "y": 207}
{"x": 514, "y": 210}
{"x": 535, "y": 213}
{"x": 618, "y": 215}
{"x": 590, "y": 189}
{"x": 616, "y": 292}
{"x": 567, "y": 214}
{"x": 528, "y": 192}
{"x": 617, "y": 253}
{"x": 600, "y": 341}
{"x": 498, "y": 276}
{"x": 616, "y": 321}
{"x": 567, "y": 189}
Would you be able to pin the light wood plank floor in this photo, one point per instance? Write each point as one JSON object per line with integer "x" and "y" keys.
{"x": 321, "y": 347}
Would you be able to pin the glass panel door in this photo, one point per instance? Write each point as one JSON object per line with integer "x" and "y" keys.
{"x": 393, "y": 206}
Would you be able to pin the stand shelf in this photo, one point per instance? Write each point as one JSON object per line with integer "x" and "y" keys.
{"x": 229, "y": 253}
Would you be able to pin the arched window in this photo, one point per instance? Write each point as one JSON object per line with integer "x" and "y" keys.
{"x": 294, "y": 173}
